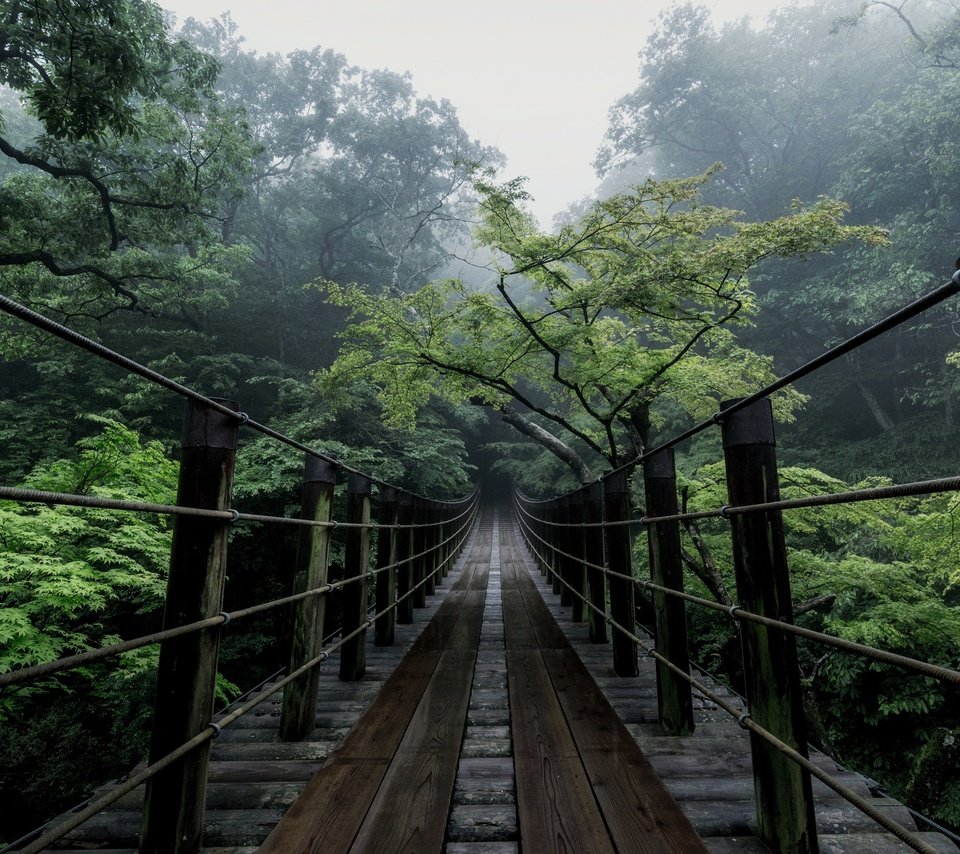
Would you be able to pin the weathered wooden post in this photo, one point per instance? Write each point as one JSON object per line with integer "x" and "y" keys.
{"x": 593, "y": 553}
{"x": 187, "y": 670}
{"x": 419, "y": 548}
{"x": 445, "y": 529}
{"x": 356, "y": 564}
{"x": 431, "y": 563}
{"x": 404, "y": 552}
{"x": 386, "y": 594}
{"x": 674, "y": 700}
{"x": 551, "y": 534}
{"x": 784, "y": 798}
{"x": 616, "y": 509}
{"x": 561, "y": 536}
{"x": 575, "y": 546}
{"x": 299, "y": 710}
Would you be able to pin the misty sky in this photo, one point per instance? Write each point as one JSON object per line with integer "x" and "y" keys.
{"x": 533, "y": 77}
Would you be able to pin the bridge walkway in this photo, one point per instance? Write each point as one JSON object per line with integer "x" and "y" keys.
{"x": 502, "y": 729}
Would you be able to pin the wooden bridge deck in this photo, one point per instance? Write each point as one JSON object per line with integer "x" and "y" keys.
{"x": 497, "y": 731}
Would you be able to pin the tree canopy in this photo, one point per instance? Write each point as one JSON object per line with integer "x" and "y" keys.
{"x": 588, "y": 334}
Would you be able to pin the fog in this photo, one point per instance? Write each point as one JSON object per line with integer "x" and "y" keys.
{"x": 534, "y": 78}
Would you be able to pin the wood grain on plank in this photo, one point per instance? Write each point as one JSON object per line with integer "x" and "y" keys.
{"x": 639, "y": 812}
{"x": 410, "y": 810}
{"x": 329, "y": 814}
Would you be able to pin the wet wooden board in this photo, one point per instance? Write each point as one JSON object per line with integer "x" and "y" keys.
{"x": 330, "y": 813}
{"x": 638, "y": 813}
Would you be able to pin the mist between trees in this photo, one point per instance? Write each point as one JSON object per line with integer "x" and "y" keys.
{"x": 333, "y": 250}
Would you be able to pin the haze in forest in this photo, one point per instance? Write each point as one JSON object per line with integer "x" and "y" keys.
{"x": 533, "y": 78}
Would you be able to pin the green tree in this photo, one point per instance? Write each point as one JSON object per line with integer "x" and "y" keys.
{"x": 115, "y": 201}
{"x": 589, "y": 335}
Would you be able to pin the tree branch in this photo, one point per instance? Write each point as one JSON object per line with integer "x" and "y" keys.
{"x": 544, "y": 437}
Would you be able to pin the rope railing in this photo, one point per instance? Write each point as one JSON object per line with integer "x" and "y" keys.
{"x": 877, "y": 329}
{"x": 741, "y": 715}
{"x": 123, "y": 787}
{"x": 212, "y": 731}
{"x": 875, "y": 493}
{"x": 48, "y": 668}
{"x": 735, "y": 612}
{"x": 422, "y": 537}
{"x": 36, "y": 496}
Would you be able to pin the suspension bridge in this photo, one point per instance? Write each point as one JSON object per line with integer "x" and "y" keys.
{"x": 488, "y": 688}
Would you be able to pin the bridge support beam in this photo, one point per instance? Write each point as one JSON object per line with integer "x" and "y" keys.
{"x": 298, "y": 713}
{"x": 616, "y": 509}
{"x": 674, "y": 700}
{"x": 593, "y": 553}
{"x": 785, "y": 812}
{"x": 356, "y": 564}
{"x": 187, "y": 670}
{"x": 387, "y": 538}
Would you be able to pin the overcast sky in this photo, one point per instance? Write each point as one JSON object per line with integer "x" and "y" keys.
{"x": 533, "y": 77}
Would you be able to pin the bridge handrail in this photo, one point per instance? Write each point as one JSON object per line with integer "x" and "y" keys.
{"x": 735, "y": 612}
{"x": 213, "y": 730}
{"x": 58, "y": 665}
{"x": 741, "y": 715}
{"x": 417, "y": 545}
{"x": 562, "y": 527}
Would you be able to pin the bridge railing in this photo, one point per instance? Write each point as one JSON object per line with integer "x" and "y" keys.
{"x": 418, "y": 540}
{"x": 582, "y": 541}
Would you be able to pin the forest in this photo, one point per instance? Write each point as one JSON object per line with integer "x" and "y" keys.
{"x": 334, "y": 251}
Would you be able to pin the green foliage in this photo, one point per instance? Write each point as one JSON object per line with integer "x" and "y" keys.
{"x": 67, "y": 574}
{"x": 631, "y": 306}
{"x": 116, "y": 198}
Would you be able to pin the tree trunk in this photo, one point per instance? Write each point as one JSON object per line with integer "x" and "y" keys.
{"x": 549, "y": 441}
{"x": 876, "y": 410}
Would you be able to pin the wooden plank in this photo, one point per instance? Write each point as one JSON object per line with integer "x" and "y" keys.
{"x": 555, "y": 805}
{"x": 410, "y": 810}
{"x": 329, "y": 814}
{"x": 640, "y": 814}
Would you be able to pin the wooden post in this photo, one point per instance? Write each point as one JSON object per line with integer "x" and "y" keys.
{"x": 404, "y": 551}
{"x": 785, "y": 813}
{"x": 419, "y": 547}
{"x": 551, "y": 530}
{"x": 561, "y": 536}
{"x": 299, "y": 710}
{"x": 674, "y": 700}
{"x": 593, "y": 553}
{"x": 386, "y": 578}
{"x": 575, "y": 547}
{"x": 356, "y": 562}
{"x": 431, "y": 561}
{"x": 616, "y": 508}
{"x": 445, "y": 529}
{"x": 187, "y": 670}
